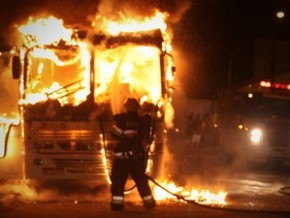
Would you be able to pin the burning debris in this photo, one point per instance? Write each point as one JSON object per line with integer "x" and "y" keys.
{"x": 24, "y": 191}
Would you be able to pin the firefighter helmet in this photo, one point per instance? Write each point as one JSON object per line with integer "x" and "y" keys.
{"x": 131, "y": 104}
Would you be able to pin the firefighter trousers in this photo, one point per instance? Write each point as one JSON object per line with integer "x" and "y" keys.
{"x": 121, "y": 170}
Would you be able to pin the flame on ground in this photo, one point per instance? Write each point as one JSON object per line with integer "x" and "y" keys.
{"x": 199, "y": 196}
{"x": 23, "y": 191}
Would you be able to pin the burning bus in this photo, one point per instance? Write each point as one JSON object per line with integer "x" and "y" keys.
{"x": 71, "y": 84}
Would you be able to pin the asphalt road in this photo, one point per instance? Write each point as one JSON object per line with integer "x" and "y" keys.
{"x": 102, "y": 210}
{"x": 251, "y": 194}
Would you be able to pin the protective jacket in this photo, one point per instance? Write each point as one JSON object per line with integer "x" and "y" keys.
{"x": 128, "y": 132}
{"x": 129, "y": 160}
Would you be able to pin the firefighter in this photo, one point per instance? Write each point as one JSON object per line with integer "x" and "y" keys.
{"x": 129, "y": 157}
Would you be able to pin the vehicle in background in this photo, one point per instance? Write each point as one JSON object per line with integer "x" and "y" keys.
{"x": 254, "y": 124}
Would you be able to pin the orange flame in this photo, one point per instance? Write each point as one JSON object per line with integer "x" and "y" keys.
{"x": 39, "y": 33}
{"x": 132, "y": 25}
{"x": 120, "y": 72}
{"x": 199, "y": 196}
{"x": 45, "y": 31}
{"x": 128, "y": 25}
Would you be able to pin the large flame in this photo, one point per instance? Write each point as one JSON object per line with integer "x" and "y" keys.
{"x": 122, "y": 71}
{"x": 132, "y": 25}
{"x": 45, "y": 31}
{"x": 128, "y": 25}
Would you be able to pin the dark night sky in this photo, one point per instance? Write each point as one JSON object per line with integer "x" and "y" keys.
{"x": 216, "y": 30}
{"x": 206, "y": 33}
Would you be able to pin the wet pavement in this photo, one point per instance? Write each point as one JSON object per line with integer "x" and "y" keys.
{"x": 248, "y": 194}
{"x": 256, "y": 192}
{"x": 163, "y": 210}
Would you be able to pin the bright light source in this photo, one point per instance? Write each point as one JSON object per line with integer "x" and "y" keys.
{"x": 266, "y": 84}
{"x": 250, "y": 95}
{"x": 280, "y": 14}
{"x": 256, "y": 135}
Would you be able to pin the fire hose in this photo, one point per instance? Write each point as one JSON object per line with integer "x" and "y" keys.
{"x": 207, "y": 206}
{"x": 240, "y": 210}
{"x": 183, "y": 198}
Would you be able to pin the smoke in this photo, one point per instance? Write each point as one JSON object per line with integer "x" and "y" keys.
{"x": 78, "y": 12}
{"x": 27, "y": 191}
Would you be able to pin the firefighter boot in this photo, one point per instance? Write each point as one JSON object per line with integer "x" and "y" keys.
{"x": 117, "y": 203}
{"x": 149, "y": 202}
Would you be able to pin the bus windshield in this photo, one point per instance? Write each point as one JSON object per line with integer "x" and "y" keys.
{"x": 61, "y": 74}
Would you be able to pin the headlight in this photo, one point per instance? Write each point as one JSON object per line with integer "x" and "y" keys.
{"x": 256, "y": 135}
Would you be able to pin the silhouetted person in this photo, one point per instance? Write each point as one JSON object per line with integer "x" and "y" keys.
{"x": 129, "y": 157}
